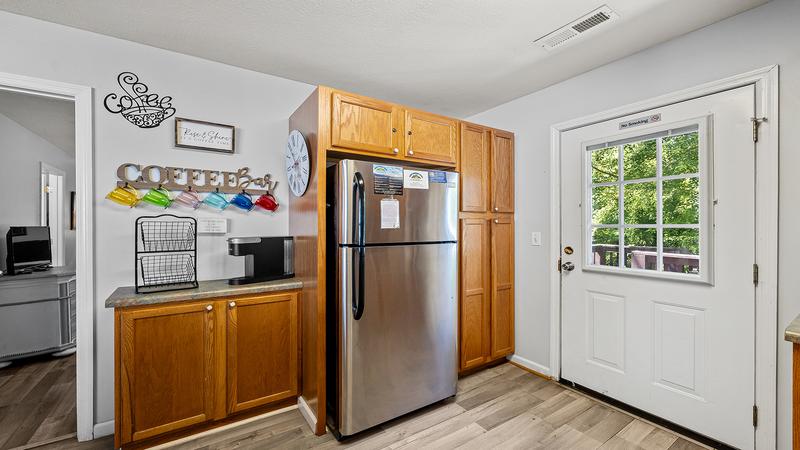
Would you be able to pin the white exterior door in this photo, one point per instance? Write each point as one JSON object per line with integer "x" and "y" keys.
{"x": 658, "y": 228}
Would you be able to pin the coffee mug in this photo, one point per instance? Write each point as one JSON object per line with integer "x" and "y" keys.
{"x": 216, "y": 200}
{"x": 268, "y": 202}
{"x": 243, "y": 201}
{"x": 189, "y": 198}
{"x": 124, "y": 195}
{"x": 158, "y": 197}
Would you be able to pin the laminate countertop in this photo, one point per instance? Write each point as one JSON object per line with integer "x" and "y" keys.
{"x": 126, "y": 296}
{"x": 792, "y": 333}
{"x": 55, "y": 272}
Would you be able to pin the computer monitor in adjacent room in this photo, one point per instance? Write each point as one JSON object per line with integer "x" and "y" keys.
{"x": 27, "y": 247}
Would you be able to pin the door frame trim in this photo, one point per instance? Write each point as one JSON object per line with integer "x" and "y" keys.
{"x": 84, "y": 246}
{"x": 765, "y": 81}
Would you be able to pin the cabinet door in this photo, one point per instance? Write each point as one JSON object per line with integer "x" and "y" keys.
{"x": 431, "y": 138}
{"x": 502, "y": 327}
{"x": 474, "y": 168}
{"x": 364, "y": 124}
{"x": 474, "y": 309}
{"x": 262, "y": 350}
{"x": 502, "y": 171}
{"x": 167, "y": 369}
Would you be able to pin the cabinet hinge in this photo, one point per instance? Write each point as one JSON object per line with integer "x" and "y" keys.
{"x": 756, "y": 123}
{"x": 755, "y": 416}
{"x": 755, "y": 274}
{"x": 558, "y": 265}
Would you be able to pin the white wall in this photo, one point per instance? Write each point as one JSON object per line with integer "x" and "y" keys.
{"x": 259, "y": 105}
{"x": 763, "y": 36}
{"x": 21, "y": 151}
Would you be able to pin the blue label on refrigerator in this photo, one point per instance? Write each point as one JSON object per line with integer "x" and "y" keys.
{"x": 437, "y": 176}
{"x": 387, "y": 180}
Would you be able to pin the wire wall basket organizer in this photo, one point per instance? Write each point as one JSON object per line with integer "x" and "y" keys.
{"x": 166, "y": 252}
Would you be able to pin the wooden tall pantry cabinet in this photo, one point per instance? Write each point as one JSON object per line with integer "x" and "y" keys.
{"x": 486, "y": 304}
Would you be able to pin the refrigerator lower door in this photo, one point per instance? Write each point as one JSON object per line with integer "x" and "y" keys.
{"x": 401, "y": 354}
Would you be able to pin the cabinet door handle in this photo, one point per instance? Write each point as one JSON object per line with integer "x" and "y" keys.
{"x": 396, "y": 151}
{"x": 411, "y": 152}
{"x": 394, "y": 130}
{"x": 409, "y": 132}
{"x": 209, "y": 308}
{"x": 232, "y": 304}
{"x": 496, "y": 221}
{"x": 496, "y": 209}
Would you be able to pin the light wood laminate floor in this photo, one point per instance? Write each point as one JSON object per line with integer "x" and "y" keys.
{"x": 502, "y": 407}
{"x": 37, "y": 400}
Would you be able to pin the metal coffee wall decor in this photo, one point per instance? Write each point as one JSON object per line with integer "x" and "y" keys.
{"x": 199, "y": 180}
{"x": 137, "y": 105}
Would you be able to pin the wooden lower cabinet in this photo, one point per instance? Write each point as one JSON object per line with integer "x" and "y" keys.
{"x": 167, "y": 369}
{"x": 486, "y": 301}
{"x": 262, "y": 350}
{"x": 475, "y": 304}
{"x": 185, "y": 365}
{"x": 502, "y": 328}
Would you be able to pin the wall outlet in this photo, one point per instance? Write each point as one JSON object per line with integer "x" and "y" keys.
{"x": 536, "y": 238}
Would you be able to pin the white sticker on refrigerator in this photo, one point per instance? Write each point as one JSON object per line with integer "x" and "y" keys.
{"x": 390, "y": 214}
{"x": 415, "y": 179}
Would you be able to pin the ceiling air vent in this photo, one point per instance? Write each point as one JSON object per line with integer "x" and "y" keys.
{"x": 566, "y": 34}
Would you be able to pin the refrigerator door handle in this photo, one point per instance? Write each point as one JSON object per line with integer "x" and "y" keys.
{"x": 358, "y": 239}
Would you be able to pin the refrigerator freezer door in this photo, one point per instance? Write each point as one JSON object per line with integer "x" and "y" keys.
{"x": 425, "y": 215}
{"x": 401, "y": 354}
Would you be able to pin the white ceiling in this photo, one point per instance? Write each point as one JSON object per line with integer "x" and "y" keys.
{"x": 50, "y": 118}
{"x": 457, "y": 57}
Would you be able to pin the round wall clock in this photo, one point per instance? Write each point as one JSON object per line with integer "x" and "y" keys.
{"x": 298, "y": 164}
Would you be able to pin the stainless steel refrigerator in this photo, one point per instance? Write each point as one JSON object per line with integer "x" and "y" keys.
{"x": 392, "y": 281}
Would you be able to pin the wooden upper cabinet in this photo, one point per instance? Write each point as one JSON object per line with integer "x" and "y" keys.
{"x": 502, "y": 171}
{"x": 502, "y": 327}
{"x": 474, "y": 168}
{"x": 262, "y": 350}
{"x": 365, "y": 124}
{"x": 474, "y": 309}
{"x": 167, "y": 369}
{"x": 431, "y": 138}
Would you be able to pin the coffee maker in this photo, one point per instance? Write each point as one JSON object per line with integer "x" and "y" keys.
{"x": 265, "y": 258}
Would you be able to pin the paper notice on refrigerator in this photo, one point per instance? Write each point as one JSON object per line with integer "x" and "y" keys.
{"x": 390, "y": 214}
{"x": 415, "y": 179}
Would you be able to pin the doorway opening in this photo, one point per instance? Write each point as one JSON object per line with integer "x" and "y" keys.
{"x": 46, "y": 286}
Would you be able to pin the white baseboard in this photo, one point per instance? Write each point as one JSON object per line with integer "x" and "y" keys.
{"x": 528, "y": 364}
{"x": 103, "y": 429}
{"x": 307, "y": 413}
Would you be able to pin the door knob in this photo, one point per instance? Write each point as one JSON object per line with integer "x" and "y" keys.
{"x": 568, "y": 266}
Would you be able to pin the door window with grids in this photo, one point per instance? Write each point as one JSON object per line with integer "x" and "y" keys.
{"x": 646, "y": 197}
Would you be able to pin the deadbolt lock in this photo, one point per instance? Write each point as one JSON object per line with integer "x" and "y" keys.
{"x": 568, "y": 250}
